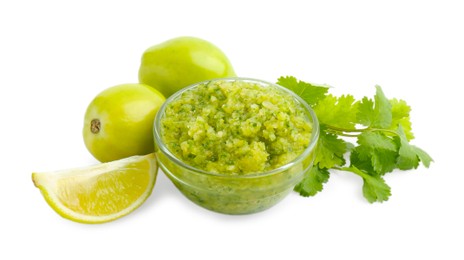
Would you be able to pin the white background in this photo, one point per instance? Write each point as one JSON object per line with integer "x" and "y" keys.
{"x": 55, "y": 56}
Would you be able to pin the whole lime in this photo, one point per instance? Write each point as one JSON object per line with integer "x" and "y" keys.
{"x": 180, "y": 62}
{"x": 118, "y": 122}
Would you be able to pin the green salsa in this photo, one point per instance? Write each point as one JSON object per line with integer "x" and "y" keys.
{"x": 235, "y": 127}
{"x": 232, "y": 136}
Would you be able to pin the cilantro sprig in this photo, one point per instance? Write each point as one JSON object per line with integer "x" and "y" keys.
{"x": 380, "y": 127}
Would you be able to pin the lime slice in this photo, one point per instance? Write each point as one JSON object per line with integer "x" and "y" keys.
{"x": 99, "y": 193}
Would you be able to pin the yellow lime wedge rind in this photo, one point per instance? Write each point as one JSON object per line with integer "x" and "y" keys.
{"x": 99, "y": 193}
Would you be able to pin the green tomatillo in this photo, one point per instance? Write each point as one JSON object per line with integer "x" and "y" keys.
{"x": 180, "y": 62}
{"x": 118, "y": 122}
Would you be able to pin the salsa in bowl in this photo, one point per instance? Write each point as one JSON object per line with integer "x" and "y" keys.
{"x": 235, "y": 145}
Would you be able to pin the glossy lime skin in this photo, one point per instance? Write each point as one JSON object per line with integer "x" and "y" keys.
{"x": 180, "y": 62}
{"x": 118, "y": 122}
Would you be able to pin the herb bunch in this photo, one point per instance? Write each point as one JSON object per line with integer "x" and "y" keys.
{"x": 380, "y": 127}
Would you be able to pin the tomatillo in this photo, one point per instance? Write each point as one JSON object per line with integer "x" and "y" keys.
{"x": 118, "y": 122}
{"x": 180, "y": 62}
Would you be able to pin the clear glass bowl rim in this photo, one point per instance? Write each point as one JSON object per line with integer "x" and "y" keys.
{"x": 312, "y": 143}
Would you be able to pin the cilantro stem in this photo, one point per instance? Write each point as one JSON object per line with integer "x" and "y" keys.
{"x": 351, "y": 169}
{"x": 344, "y": 169}
{"x": 345, "y": 131}
{"x": 384, "y": 130}
{"x": 344, "y": 134}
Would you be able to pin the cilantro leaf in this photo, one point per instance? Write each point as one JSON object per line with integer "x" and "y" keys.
{"x": 376, "y": 149}
{"x": 338, "y": 112}
{"x": 374, "y": 187}
{"x": 377, "y": 113}
{"x": 313, "y": 181}
{"x": 308, "y": 92}
{"x": 424, "y": 157}
{"x": 359, "y": 158}
{"x": 330, "y": 150}
{"x": 383, "y": 112}
{"x": 407, "y": 157}
{"x": 376, "y": 140}
{"x": 365, "y": 114}
{"x": 400, "y": 117}
{"x": 378, "y": 161}
{"x": 383, "y": 161}
{"x": 410, "y": 155}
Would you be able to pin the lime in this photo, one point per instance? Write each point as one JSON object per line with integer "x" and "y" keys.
{"x": 99, "y": 193}
{"x": 180, "y": 62}
{"x": 118, "y": 122}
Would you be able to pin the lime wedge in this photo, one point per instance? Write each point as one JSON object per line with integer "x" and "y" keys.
{"x": 99, "y": 193}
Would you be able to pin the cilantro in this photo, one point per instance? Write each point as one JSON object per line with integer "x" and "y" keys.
{"x": 424, "y": 157}
{"x": 312, "y": 182}
{"x": 381, "y": 128}
{"x": 330, "y": 150}
{"x": 409, "y": 155}
{"x": 377, "y": 149}
{"x": 374, "y": 188}
{"x": 307, "y": 91}
{"x": 400, "y": 117}
{"x": 341, "y": 112}
{"x": 377, "y": 113}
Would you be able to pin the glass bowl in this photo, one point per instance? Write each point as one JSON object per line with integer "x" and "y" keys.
{"x": 235, "y": 194}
